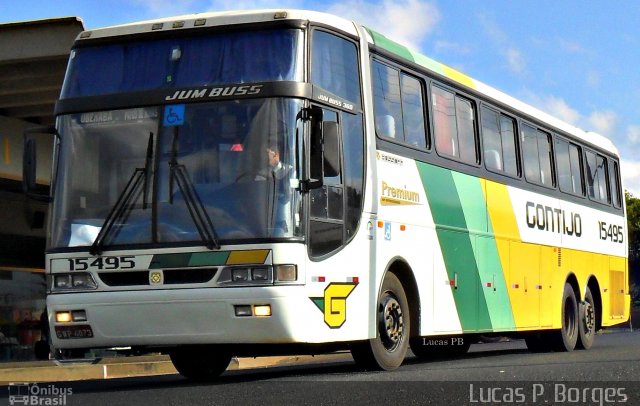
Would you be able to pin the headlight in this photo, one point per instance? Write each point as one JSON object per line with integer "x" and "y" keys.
{"x": 73, "y": 281}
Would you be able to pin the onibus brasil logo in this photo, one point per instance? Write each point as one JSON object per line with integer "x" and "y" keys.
{"x": 334, "y": 302}
{"x": 34, "y": 394}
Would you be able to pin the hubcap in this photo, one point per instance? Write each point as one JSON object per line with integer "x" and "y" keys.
{"x": 589, "y": 319}
{"x": 391, "y": 324}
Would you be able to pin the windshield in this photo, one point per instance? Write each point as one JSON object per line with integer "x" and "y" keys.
{"x": 253, "y": 56}
{"x": 235, "y": 160}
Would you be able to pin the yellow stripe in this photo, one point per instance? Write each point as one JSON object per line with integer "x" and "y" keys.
{"x": 11, "y": 269}
{"x": 247, "y": 257}
{"x": 459, "y": 77}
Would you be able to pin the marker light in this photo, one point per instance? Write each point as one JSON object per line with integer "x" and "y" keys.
{"x": 286, "y": 273}
{"x": 63, "y": 317}
{"x": 79, "y": 315}
{"x": 262, "y": 310}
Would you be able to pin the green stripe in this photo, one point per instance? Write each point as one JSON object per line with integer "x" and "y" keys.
{"x": 162, "y": 261}
{"x": 391, "y": 46}
{"x": 456, "y": 244}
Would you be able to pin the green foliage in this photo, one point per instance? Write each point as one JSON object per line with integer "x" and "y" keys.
{"x": 633, "y": 226}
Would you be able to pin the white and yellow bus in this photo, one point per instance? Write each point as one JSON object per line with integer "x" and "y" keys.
{"x": 251, "y": 183}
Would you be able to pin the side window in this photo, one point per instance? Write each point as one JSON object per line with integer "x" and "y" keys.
{"x": 334, "y": 65}
{"x": 399, "y": 110}
{"x": 568, "y": 156}
{"x": 454, "y": 122}
{"x": 387, "y": 103}
{"x": 616, "y": 196}
{"x": 537, "y": 151}
{"x": 498, "y": 137}
{"x": 413, "y": 111}
{"x": 597, "y": 177}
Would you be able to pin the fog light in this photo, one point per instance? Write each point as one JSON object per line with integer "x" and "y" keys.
{"x": 262, "y": 310}
{"x": 79, "y": 315}
{"x": 63, "y": 317}
{"x": 286, "y": 273}
{"x": 243, "y": 310}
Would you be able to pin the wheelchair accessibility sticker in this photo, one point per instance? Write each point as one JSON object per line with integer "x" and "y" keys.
{"x": 173, "y": 115}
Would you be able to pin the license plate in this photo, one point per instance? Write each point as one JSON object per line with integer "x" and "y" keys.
{"x": 81, "y": 331}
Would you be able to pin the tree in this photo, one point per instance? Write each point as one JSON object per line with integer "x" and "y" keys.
{"x": 633, "y": 227}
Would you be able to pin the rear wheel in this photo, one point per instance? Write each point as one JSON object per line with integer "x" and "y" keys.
{"x": 586, "y": 321}
{"x": 567, "y": 337}
{"x": 388, "y": 349}
{"x": 200, "y": 363}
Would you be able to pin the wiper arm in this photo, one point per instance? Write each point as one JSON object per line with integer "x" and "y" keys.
{"x": 178, "y": 174}
{"x": 123, "y": 204}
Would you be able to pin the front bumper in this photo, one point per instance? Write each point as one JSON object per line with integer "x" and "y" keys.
{"x": 186, "y": 316}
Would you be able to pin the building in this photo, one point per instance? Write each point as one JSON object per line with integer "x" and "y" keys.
{"x": 33, "y": 59}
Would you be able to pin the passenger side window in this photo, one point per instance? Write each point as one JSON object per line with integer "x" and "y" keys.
{"x": 398, "y": 105}
{"x": 597, "y": 177}
{"x": 569, "y": 160}
{"x": 616, "y": 195}
{"x": 536, "y": 146}
{"x": 499, "y": 142}
{"x": 335, "y": 65}
{"x": 454, "y": 122}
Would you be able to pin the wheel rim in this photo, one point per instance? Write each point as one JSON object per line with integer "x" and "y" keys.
{"x": 589, "y": 321}
{"x": 391, "y": 324}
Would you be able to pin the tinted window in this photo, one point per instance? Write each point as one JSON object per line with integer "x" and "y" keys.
{"x": 253, "y": 56}
{"x": 387, "y": 102}
{"x": 498, "y": 137}
{"x": 335, "y": 65}
{"x": 597, "y": 179}
{"x": 569, "y": 167}
{"x": 413, "y": 112}
{"x": 536, "y": 147}
{"x": 616, "y": 196}
{"x": 454, "y": 122}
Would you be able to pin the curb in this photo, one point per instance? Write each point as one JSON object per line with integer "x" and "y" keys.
{"x": 128, "y": 367}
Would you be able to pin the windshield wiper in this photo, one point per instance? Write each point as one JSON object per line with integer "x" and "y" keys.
{"x": 124, "y": 203}
{"x": 197, "y": 211}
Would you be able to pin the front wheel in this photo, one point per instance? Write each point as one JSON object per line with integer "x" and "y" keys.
{"x": 200, "y": 363}
{"x": 388, "y": 349}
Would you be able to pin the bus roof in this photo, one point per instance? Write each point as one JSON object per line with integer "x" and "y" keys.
{"x": 213, "y": 19}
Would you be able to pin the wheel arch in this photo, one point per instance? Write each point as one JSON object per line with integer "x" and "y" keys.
{"x": 403, "y": 271}
{"x": 594, "y": 287}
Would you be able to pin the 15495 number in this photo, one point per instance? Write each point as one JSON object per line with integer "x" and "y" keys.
{"x": 611, "y": 232}
{"x": 100, "y": 263}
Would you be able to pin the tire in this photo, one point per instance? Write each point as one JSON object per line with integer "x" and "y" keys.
{"x": 567, "y": 337}
{"x": 439, "y": 347}
{"x": 387, "y": 351}
{"x": 200, "y": 363}
{"x": 586, "y": 321}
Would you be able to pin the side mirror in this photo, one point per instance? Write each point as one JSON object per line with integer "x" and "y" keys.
{"x": 29, "y": 164}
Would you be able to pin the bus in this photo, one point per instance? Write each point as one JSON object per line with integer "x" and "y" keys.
{"x": 282, "y": 182}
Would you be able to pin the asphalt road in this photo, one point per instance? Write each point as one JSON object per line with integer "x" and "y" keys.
{"x": 609, "y": 373}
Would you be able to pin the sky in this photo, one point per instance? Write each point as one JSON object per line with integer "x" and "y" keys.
{"x": 577, "y": 60}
